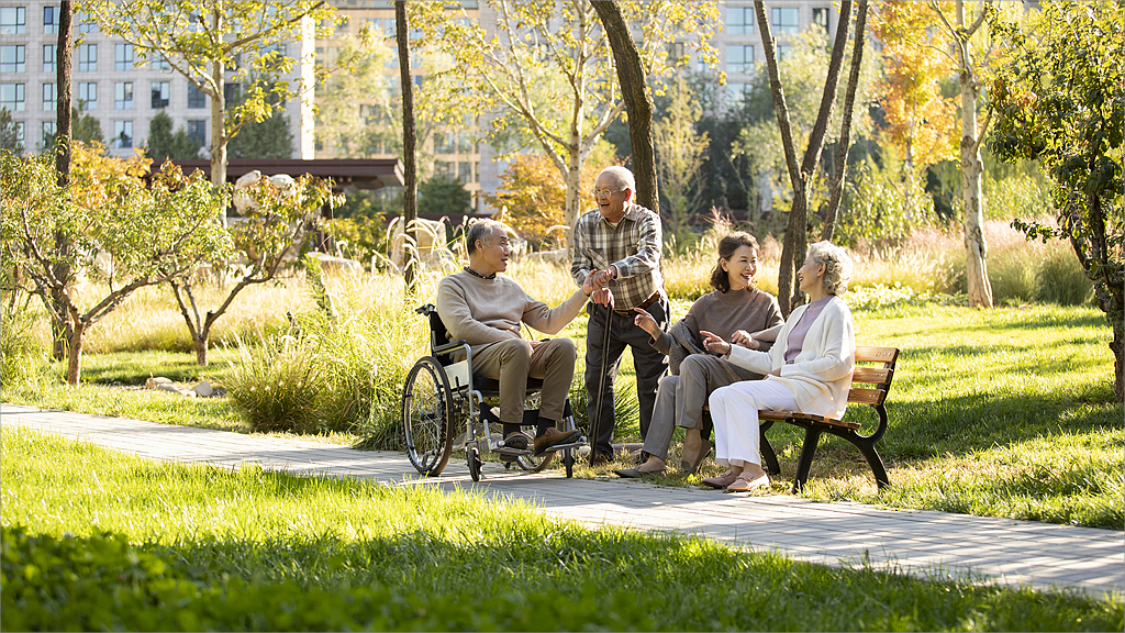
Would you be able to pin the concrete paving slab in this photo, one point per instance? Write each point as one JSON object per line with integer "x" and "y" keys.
{"x": 922, "y": 542}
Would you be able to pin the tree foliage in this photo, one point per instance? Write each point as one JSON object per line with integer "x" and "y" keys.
{"x": 125, "y": 234}
{"x": 1060, "y": 100}
{"x": 443, "y": 194}
{"x": 278, "y": 226}
{"x": 681, "y": 152}
{"x": 532, "y": 195}
{"x": 9, "y": 134}
{"x": 547, "y": 69}
{"x": 203, "y": 40}
{"x": 163, "y": 144}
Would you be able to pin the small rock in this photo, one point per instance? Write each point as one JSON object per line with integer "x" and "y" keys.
{"x": 188, "y": 393}
{"x": 167, "y": 386}
{"x": 153, "y": 383}
{"x": 204, "y": 389}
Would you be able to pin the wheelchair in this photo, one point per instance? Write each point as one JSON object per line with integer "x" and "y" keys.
{"x": 446, "y": 408}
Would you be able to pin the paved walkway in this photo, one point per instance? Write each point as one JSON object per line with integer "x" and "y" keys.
{"x": 927, "y": 543}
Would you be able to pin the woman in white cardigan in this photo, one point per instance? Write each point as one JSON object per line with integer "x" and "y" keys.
{"x": 809, "y": 368}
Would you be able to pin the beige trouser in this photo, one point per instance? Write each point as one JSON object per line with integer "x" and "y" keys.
{"x": 513, "y": 362}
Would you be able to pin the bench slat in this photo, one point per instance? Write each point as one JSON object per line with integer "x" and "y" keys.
{"x": 873, "y": 397}
{"x": 785, "y": 416}
{"x": 876, "y": 375}
{"x": 873, "y": 354}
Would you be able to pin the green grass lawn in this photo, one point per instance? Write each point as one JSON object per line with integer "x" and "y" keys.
{"x": 93, "y": 539}
{"x": 1006, "y": 412}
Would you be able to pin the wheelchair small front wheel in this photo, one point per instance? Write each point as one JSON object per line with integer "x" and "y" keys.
{"x": 475, "y": 463}
{"x": 535, "y": 463}
{"x": 427, "y": 412}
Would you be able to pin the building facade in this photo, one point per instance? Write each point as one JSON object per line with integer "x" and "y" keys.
{"x": 123, "y": 94}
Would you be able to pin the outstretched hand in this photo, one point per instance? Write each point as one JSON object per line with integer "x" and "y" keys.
{"x": 714, "y": 343}
{"x": 645, "y": 321}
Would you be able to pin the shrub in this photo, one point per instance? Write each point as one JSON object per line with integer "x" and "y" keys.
{"x": 1012, "y": 274}
{"x": 275, "y": 385}
{"x": 21, "y": 351}
{"x": 1061, "y": 279}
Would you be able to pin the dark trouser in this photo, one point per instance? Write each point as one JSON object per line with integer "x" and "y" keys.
{"x": 649, "y": 363}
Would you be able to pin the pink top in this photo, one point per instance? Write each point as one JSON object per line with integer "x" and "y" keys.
{"x": 797, "y": 334}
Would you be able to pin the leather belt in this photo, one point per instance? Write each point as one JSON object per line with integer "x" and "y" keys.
{"x": 647, "y": 302}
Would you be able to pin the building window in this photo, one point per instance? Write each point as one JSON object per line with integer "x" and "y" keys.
{"x": 785, "y": 21}
{"x": 123, "y": 95}
{"x": 122, "y": 134}
{"x": 784, "y": 51}
{"x": 161, "y": 91}
{"x": 740, "y": 20}
{"x": 736, "y": 93}
{"x": 50, "y": 57}
{"x": 87, "y": 57}
{"x": 465, "y": 172}
{"x": 740, "y": 59}
{"x": 19, "y": 125}
{"x": 445, "y": 169}
{"x": 465, "y": 143}
{"x": 445, "y": 143}
{"x": 13, "y": 20}
{"x": 197, "y": 130}
{"x": 12, "y": 59}
{"x": 159, "y": 62}
{"x": 11, "y": 97}
{"x": 231, "y": 93}
{"x": 50, "y": 97}
{"x": 50, "y": 19}
{"x": 123, "y": 57}
{"x": 195, "y": 98}
{"x": 85, "y": 23}
{"x": 88, "y": 95}
{"x": 820, "y": 18}
{"x": 48, "y": 133}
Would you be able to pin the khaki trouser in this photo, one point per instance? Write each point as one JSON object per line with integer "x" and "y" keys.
{"x": 513, "y": 362}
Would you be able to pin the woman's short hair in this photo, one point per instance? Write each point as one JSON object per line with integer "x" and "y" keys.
{"x": 727, "y": 246}
{"x": 482, "y": 230}
{"x": 837, "y": 266}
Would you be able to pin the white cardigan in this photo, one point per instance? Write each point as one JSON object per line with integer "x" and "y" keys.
{"x": 821, "y": 375}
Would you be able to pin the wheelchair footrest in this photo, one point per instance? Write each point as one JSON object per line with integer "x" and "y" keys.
{"x": 506, "y": 450}
{"x": 562, "y": 447}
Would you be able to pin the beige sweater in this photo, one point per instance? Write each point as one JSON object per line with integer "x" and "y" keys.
{"x": 481, "y": 311}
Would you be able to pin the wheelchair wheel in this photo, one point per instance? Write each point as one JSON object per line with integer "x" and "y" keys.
{"x": 427, "y": 408}
{"x": 475, "y": 463}
{"x": 535, "y": 463}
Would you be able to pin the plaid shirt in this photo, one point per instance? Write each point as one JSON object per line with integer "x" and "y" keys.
{"x": 633, "y": 247}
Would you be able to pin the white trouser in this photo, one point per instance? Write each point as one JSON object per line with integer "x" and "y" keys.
{"x": 734, "y": 410}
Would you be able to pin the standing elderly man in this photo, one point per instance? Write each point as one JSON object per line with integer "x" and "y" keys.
{"x": 486, "y": 309}
{"x": 618, "y": 245}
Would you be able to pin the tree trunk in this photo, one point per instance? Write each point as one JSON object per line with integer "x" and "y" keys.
{"x": 638, "y": 101}
{"x": 841, "y": 167}
{"x": 74, "y": 354}
{"x": 60, "y": 325}
{"x": 573, "y": 195}
{"x": 980, "y": 291}
{"x": 218, "y": 128}
{"x": 201, "y": 344}
{"x": 1118, "y": 348}
{"x": 409, "y": 141}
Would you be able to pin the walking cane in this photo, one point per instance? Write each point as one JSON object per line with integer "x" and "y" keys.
{"x": 596, "y": 422}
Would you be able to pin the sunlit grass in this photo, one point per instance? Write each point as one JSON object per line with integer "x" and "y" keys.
{"x": 457, "y": 562}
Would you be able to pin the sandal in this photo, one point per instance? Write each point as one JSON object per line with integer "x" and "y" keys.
{"x": 746, "y": 483}
{"x": 722, "y": 481}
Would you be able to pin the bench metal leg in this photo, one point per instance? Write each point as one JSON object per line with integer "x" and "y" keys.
{"x": 808, "y": 451}
{"x": 766, "y": 449}
{"x": 867, "y": 447}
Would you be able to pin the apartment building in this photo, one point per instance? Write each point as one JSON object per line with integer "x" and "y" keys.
{"x": 112, "y": 84}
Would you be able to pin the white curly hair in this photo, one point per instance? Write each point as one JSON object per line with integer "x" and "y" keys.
{"x": 837, "y": 266}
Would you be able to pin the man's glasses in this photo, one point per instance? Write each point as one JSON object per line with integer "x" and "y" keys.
{"x": 600, "y": 193}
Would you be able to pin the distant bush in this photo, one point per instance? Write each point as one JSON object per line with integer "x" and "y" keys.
{"x": 20, "y": 349}
{"x": 1061, "y": 279}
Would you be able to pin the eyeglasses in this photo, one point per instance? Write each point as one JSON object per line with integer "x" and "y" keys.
{"x": 599, "y": 193}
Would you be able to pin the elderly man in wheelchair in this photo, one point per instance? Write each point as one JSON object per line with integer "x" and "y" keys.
{"x": 483, "y": 313}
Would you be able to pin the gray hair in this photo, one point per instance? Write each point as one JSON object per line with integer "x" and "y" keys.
{"x": 624, "y": 177}
{"x": 482, "y": 230}
{"x": 837, "y": 266}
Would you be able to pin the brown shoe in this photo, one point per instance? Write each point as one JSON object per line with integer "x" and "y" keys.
{"x": 722, "y": 481}
{"x": 553, "y": 437}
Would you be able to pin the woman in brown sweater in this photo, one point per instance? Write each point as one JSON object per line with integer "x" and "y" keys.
{"x": 737, "y": 308}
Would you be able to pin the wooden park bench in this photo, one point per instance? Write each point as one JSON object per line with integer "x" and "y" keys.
{"x": 878, "y": 376}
